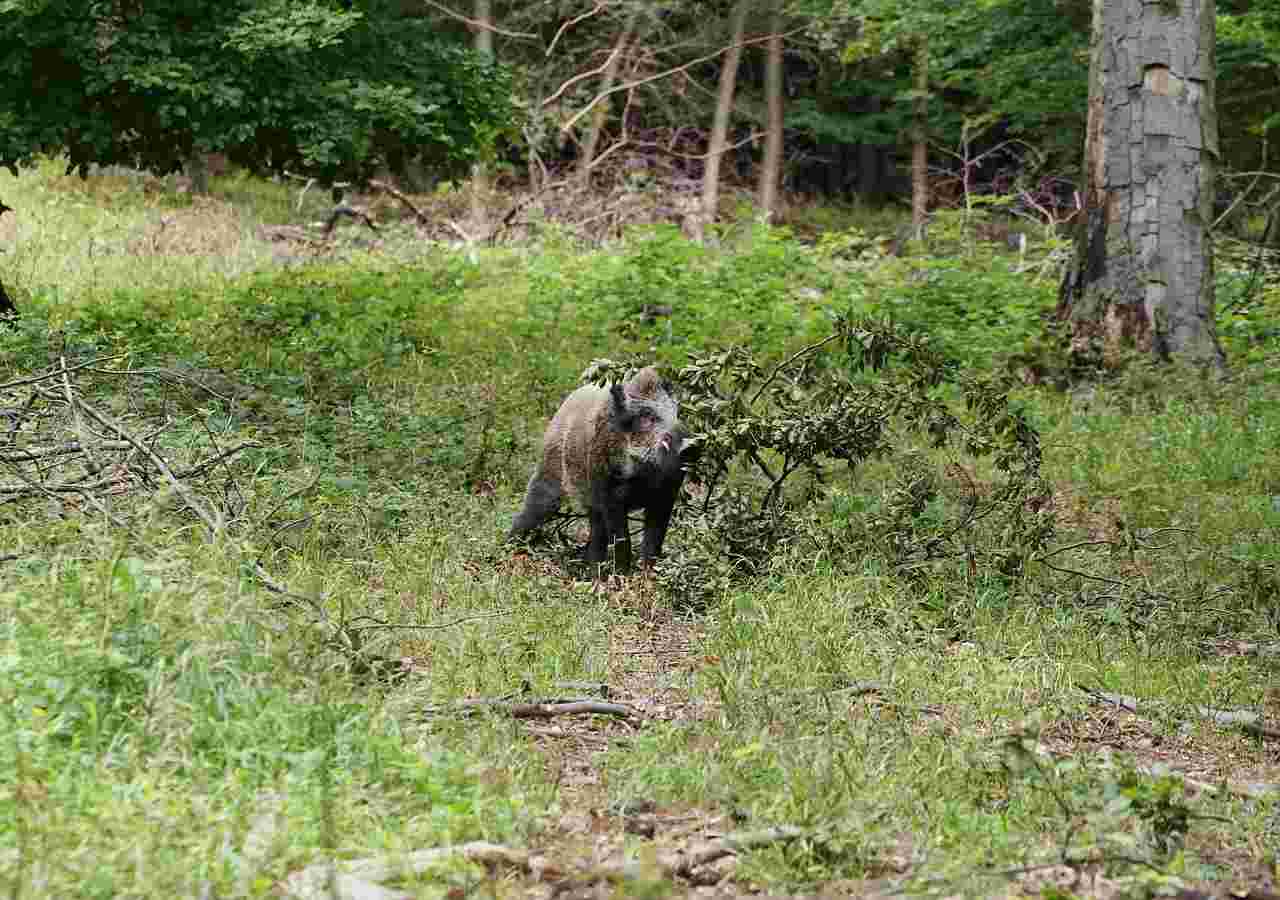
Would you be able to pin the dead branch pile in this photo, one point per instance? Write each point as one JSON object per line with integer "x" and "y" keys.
{"x": 86, "y": 437}
{"x": 626, "y": 189}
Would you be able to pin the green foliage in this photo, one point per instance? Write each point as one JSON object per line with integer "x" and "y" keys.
{"x": 313, "y": 319}
{"x": 272, "y": 84}
{"x": 666, "y": 295}
{"x": 156, "y": 700}
{"x": 975, "y": 312}
{"x": 1247, "y": 302}
{"x": 1026, "y": 63}
{"x": 120, "y": 711}
{"x": 1159, "y": 802}
{"x": 1248, "y": 57}
{"x": 978, "y": 304}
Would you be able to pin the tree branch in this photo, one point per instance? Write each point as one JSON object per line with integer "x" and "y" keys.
{"x": 789, "y": 360}
{"x": 573, "y": 120}
{"x": 475, "y": 23}
{"x": 655, "y": 145}
{"x": 570, "y": 23}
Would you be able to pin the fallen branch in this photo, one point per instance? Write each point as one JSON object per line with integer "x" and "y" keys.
{"x": 57, "y": 373}
{"x": 590, "y": 687}
{"x": 418, "y": 214}
{"x": 506, "y": 220}
{"x": 858, "y": 688}
{"x": 460, "y": 232}
{"x": 28, "y": 488}
{"x": 542, "y": 710}
{"x": 214, "y": 524}
{"x": 379, "y": 625}
{"x": 70, "y": 448}
{"x": 1248, "y": 790}
{"x": 1243, "y": 719}
{"x": 291, "y": 233}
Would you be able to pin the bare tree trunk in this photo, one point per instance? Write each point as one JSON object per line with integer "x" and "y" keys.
{"x": 771, "y": 171}
{"x": 480, "y": 172}
{"x": 920, "y": 140}
{"x": 1143, "y": 272}
{"x": 601, "y": 113}
{"x": 724, "y": 108}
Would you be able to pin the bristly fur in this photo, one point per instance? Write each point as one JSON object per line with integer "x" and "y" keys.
{"x": 613, "y": 450}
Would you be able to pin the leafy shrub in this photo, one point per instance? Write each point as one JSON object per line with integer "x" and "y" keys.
{"x": 1248, "y": 307}
{"x": 321, "y": 321}
{"x": 888, "y": 395}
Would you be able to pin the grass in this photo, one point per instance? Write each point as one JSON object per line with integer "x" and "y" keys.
{"x": 169, "y": 727}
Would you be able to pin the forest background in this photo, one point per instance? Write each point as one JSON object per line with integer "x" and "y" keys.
{"x": 298, "y": 286}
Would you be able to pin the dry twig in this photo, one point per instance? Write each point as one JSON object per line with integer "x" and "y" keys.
{"x": 541, "y": 709}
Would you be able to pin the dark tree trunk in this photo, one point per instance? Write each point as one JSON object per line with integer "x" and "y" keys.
{"x": 1143, "y": 273}
{"x": 870, "y": 164}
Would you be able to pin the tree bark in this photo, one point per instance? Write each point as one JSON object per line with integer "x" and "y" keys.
{"x": 920, "y": 140}
{"x": 601, "y": 113}
{"x": 1142, "y": 276}
{"x": 720, "y": 124}
{"x": 771, "y": 170}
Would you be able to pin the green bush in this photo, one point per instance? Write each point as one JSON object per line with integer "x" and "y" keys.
{"x": 866, "y": 391}
{"x": 977, "y": 309}
{"x": 666, "y": 296}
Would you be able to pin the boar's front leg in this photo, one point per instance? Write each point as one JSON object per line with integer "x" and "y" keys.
{"x": 619, "y": 536}
{"x": 598, "y": 544}
{"x": 609, "y": 532}
{"x": 657, "y": 516}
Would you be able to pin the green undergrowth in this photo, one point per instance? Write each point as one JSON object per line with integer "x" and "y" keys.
{"x": 160, "y": 704}
{"x": 154, "y": 717}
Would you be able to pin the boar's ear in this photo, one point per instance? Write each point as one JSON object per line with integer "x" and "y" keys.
{"x": 621, "y": 418}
